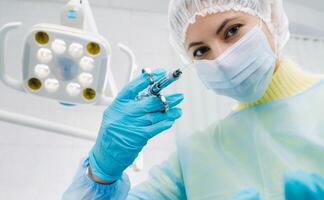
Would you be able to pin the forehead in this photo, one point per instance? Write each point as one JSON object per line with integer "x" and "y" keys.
{"x": 206, "y": 25}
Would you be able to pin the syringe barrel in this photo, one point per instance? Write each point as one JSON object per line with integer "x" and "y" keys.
{"x": 165, "y": 82}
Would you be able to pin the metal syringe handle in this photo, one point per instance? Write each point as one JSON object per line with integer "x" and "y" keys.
{"x": 165, "y": 82}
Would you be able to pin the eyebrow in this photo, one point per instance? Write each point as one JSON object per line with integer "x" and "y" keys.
{"x": 225, "y": 22}
{"x": 220, "y": 29}
{"x": 194, "y": 44}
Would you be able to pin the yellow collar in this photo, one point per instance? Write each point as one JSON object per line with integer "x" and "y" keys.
{"x": 288, "y": 80}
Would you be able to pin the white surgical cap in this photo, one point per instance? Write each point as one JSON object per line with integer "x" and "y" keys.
{"x": 182, "y": 13}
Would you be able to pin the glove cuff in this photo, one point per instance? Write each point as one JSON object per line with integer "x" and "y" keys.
{"x": 108, "y": 174}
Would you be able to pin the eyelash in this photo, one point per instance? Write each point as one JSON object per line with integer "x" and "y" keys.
{"x": 235, "y": 27}
{"x": 204, "y": 48}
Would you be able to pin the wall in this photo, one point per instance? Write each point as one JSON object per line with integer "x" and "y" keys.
{"x": 39, "y": 165}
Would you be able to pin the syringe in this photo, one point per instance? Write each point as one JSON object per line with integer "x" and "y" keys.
{"x": 165, "y": 82}
{"x": 156, "y": 88}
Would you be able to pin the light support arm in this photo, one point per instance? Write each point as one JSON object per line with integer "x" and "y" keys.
{"x": 53, "y": 127}
{"x": 78, "y": 14}
{"x": 72, "y": 14}
{"x": 5, "y": 78}
{"x": 89, "y": 21}
{"x": 41, "y": 124}
{"x": 105, "y": 100}
{"x": 131, "y": 58}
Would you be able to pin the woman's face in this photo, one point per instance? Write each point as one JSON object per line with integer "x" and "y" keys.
{"x": 210, "y": 36}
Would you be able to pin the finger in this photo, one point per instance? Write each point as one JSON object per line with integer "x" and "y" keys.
{"x": 155, "y": 104}
{"x": 131, "y": 90}
{"x": 158, "y": 128}
{"x": 156, "y": 117}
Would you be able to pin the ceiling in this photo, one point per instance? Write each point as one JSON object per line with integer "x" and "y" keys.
{"x": 314, "y": 4}
{"x": 162, "y": 5}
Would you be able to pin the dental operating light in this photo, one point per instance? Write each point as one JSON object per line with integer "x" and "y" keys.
{"x": 69, "y": 62}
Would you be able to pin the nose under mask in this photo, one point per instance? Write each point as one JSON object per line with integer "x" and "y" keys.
{"x": 243, "y": 71}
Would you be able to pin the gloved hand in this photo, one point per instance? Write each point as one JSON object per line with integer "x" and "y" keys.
{"x": 298, "y": 186}
{"x": 127, "y": 126}
{"x": 304, "y": 186}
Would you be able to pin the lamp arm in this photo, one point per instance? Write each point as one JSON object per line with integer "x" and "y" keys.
{"x": 4, "y": 77}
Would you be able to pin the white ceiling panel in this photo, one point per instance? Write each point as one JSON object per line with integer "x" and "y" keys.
{"x": 145, "y": 5}
{"x": 314, "y": 4}
{"x": 162, "y": 5}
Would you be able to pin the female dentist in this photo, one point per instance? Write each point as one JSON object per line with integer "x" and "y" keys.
{"x": 271, "y": 147}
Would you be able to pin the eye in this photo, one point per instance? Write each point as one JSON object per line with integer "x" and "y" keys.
{"x": 201, "y": 51}
{"x": 232, "y": 31}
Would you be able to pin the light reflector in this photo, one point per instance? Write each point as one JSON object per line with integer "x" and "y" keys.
{"x": 44, "y": 55}
{"x": 52, "y": 85}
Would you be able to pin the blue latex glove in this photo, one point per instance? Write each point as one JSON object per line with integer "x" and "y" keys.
{"x": 298, "y": 186}
{"x": 127, "y": 126}
{"x": 248, "y": 194}
{"x": 304, "y": 186}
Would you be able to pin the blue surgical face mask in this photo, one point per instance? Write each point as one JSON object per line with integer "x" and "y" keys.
{"x": 243, "y": 71}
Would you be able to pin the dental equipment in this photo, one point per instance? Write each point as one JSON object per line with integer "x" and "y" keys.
{"x": 158, "y": 85}
{"x": 69, "y": 63}
{"x": 165, "y": 82}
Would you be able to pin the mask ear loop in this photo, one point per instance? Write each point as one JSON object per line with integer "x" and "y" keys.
{"x": 276, "y": 50}
{"x": 260, "y": 25}
{"x": 276, "y": 47}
